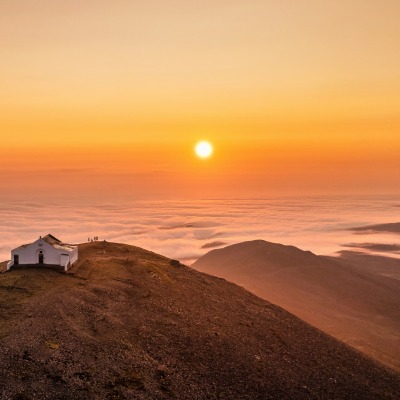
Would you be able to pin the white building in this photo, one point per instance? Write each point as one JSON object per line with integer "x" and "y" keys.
{"x": 46, "y": 251}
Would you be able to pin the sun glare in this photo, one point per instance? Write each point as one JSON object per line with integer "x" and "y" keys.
{"x": 204, "y": 149}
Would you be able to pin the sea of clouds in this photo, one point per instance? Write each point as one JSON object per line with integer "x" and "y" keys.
{"x": 187, "y": 229}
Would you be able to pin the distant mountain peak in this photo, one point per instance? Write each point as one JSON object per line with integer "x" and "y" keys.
{"x": 331, "y": 293}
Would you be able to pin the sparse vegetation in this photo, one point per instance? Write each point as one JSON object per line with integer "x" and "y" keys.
{"x": 111, "y": 329}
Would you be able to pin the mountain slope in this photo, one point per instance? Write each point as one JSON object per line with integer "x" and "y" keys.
{"x": 343, "y": 297}
{"x": 129, "y": 325}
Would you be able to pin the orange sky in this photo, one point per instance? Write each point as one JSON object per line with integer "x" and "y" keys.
{"x": 109, "y": 98}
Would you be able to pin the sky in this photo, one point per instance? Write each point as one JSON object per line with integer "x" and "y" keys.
{"x": 106, "y": 99}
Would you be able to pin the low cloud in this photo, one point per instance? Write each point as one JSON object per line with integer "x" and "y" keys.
{"x": 212, "y": 245}
{"x": 185, "y": 230}
{"x": 393, "y": 227}
{"x": 379, "y": 247}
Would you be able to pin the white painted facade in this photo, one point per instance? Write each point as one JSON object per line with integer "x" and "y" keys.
{"x": 45, "y": 251}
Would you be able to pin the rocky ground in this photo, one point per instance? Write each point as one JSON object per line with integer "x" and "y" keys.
{"x": 125, "y": 323}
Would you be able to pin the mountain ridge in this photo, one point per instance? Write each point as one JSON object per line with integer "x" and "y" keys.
{"x": 126, "y": 323}
{"x": 348, "y": 299}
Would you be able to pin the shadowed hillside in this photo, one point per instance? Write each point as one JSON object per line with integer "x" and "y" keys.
{"x": 126, "y": 324}
{"x": 354, "y": 298}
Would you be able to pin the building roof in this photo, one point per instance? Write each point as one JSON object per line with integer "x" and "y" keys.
{"x": 52, "y": 241}
{"x": 22, "y": 246}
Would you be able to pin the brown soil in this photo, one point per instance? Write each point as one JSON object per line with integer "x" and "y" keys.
{"x": 126, "y": 324}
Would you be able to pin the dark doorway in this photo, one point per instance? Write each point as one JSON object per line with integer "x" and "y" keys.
{"x": 16, "y": 259}
{"x": 41, "y": 258}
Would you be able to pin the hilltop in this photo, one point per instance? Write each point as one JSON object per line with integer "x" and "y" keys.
{"x": 355, "y": 298}
{"x": 127, "y": 323}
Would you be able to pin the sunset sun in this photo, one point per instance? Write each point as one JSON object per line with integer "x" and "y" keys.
{"x": 203, "y": 149}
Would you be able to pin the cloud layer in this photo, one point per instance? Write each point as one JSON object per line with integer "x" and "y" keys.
{"x": 186, "y": 230}
{"x": 379, "y": 247}
{"x": 390, "y": 227}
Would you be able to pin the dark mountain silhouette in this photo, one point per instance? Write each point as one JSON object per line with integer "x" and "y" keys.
{"x": 393, "y": 227}
{"x": 129, "y": 324}
{"x": 380, "y": 247}
{"x": 354, "y": 298}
